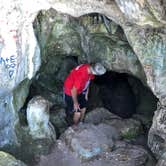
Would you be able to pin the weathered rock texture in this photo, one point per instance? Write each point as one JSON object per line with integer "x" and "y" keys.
{"x": 142, "y": 21}
{"x": 7, "y": 159}
{"x": 89, "y": 145}
{"x": 38, "y": 119}
{"x": 127, "y": 128}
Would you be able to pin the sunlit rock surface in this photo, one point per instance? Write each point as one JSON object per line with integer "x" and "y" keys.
{"x": 8, "y": 160}
{"x": 137, "y": 12}
{"x": 38, "y": 119}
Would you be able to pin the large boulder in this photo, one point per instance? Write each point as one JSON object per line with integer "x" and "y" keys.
{"x": 38, "y": 119}
{"x": 88, "y": 141}
{"x": 127, "y": 128}
{"x": 9, "y": 160}
{"x": 100, "y": 115}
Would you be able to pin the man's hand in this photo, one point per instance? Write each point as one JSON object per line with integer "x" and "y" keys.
{"x": 76, "y": 106}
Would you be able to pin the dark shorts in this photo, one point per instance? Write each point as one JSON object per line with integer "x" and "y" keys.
{"x": 69, "y": 102}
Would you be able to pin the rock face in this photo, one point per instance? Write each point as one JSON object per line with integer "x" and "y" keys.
{"x": 156, "y": 138}
{"x": 10, "y": 132}
{"x": 162, "y": 161}
{"x": 142, "y": 21}
{"x": 38, "y": 119}
{"x": 7, "y": 159}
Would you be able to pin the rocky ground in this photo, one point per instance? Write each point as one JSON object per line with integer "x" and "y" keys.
{"x": 99, "y": 144}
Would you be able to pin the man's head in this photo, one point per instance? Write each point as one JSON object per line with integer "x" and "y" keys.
{"x": 97, "y": 69}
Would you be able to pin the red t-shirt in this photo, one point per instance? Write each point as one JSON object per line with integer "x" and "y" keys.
{"x": 79, "y": 78}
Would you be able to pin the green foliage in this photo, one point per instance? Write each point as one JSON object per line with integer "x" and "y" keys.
{"x": 130, "y": 134}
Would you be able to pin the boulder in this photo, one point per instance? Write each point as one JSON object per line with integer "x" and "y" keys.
{"x": 128, "y": 128}
{"x": 8, "y": 160}
{"x": 57, "y": 118}
{"x": 88, "y": 141}
{"x": 99, "y": 115}
{"x": 38, "y": 119}
{"x": 127, "y": 155}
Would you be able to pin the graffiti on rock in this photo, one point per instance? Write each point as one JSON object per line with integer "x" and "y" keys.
{"x": 10, "y": 64}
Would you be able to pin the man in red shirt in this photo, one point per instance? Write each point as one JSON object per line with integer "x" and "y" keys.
{"x": 76, "y": 87}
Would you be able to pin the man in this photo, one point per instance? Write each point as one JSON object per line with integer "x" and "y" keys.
{"x": 76, "y": 87}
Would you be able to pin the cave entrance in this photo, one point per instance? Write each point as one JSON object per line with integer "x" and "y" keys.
{"x": 123, "y": 95}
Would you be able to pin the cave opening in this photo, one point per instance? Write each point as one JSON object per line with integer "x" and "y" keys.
{"x": 124, "y": 95}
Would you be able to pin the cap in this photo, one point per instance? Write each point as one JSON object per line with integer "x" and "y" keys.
{"x": 98, "y": 69}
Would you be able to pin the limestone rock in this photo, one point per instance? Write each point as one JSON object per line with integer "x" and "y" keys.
{"x": 123, "y": 154}
{"x": 128, "y": 155}
{"x": 158, "y": 9}
{"x": 127, "y": 128}
{"x": 38, "y": 119}
{"x": 115, "y": 54}
{"x": 162, "y": 161}
{"x": 57, "y": 118}
{"x": 157, "y": 133}
{"x": 88, "y": 141}
{"x": 150, "y": 47}
{"x": 99, "y": 115}
{"x": 8, "y": 160}
{"x": 137, "y": 12}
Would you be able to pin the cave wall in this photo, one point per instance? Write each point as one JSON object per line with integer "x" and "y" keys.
{"x": 142, "y": 21}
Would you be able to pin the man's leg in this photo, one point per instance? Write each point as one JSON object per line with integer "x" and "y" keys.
{"x": 83, "y": 105}
{"x": 76, "y": 117}
{"x": 70, "y": 114}
{"x": 83, "y": 110}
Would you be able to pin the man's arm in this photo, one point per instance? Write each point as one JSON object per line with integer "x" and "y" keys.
{"x": 74, "y": 97}
{"x": 86, "y": 95}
